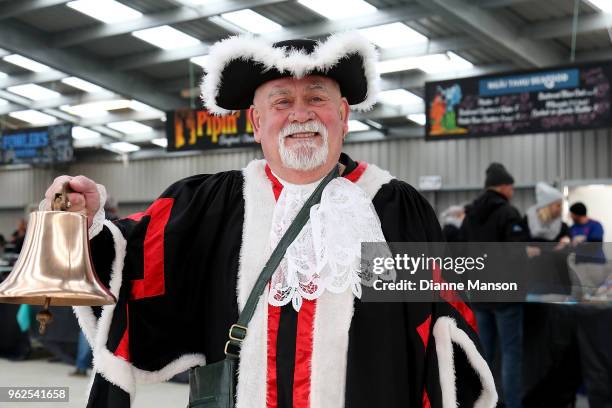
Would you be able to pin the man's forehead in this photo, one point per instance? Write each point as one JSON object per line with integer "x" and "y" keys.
{"x": 284, "y": 85}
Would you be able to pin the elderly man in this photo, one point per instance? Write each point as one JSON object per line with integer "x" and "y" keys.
{"x": 183, "y": 269}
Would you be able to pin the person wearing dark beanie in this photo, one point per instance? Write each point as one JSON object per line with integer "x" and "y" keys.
{"x": 491, "y": 218}
{"x": 497, "y": 175}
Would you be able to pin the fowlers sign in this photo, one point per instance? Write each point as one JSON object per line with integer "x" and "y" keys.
{"x": 200, "y": 130}
{"x": 546, "y": 100}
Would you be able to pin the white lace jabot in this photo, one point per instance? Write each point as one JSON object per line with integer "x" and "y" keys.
{"x": 326, "y": 254}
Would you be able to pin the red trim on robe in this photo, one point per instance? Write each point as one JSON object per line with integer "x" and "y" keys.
{"x": 277, "y": 187}
{"x": 426, "y": 403}
{"x": 357, "y": 172}
{"x": 305, "y": 328}
{"x": 303, "y": 354}
{"x": 453, "y": 298}
{"x": 152, "y": 284}
{"x": 123, "y": 349}
{"x": 271, "y": 386}
{"x": 423, "y": 330}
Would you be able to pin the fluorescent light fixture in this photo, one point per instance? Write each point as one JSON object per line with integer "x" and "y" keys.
{"x": 434, "y": 63}
{"x": 82, "y": 84}
{"x": 81, "y": 133}
{"x": 339, "y": 9}
{"x": 33, "y": 117}
{"x": 141, "y": 107}
{"x": 94, "y": 109}
{"x": 251, "y": 21}
{"x": 195, "y": 2}
{"x": 122, "y": 147}
{"x": 393, "y": 35}
{"x": 399, "y": 97}
{"x": 603, "y": 5}
{"x": 107, "y": 11}
{"x": 34, "y": 92}
{"x": 26, "y": 63}
{"x": 202, "y": 60}
{"x": 160, "y": 141}
{"x": 357, "y": 126}
{"x": 166, "y": 37}
{"x": 129, "y": 127}
{"x": 418, "y": 118}
{"x": 458, "y": 63}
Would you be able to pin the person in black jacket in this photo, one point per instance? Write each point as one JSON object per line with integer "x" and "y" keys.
{"x": 491, "y": 218}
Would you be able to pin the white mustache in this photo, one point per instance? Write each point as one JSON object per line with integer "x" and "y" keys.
{"x": 306, "y": 127}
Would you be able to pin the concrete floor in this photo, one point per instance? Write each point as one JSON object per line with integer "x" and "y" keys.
{"x": 44, "y": 373}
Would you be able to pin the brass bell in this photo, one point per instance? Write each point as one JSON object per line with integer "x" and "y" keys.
{"x": 54, "y": 267}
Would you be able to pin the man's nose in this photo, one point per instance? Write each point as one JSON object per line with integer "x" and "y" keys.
{"x": 301, "y": 113}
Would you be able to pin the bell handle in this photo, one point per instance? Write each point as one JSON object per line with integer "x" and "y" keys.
{"x": 60, "y": 200}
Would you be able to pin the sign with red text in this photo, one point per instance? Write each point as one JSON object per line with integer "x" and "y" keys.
{"x": 189, "y": 129}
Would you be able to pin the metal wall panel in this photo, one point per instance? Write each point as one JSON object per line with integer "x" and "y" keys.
{"x": 461, "y": 163}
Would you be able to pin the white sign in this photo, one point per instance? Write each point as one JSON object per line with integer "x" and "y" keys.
{"x": 430, "y": 183}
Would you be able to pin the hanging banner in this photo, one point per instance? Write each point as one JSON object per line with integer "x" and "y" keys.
{"x": 42, "y": 145}
{"x": 200, "y": 130}
{"x": 547, "y": 100}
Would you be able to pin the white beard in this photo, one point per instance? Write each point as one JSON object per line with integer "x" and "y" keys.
{"x": 305, "y": 154}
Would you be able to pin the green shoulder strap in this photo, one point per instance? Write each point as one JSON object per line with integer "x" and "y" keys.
{"x": 238, "y": 331}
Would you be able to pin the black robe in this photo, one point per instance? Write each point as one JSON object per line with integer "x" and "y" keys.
{"x": 183, "y": 268}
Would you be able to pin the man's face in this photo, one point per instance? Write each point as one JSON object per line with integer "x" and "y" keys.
{"x": 300, "y": 123}
{"x": 506, "y": 190}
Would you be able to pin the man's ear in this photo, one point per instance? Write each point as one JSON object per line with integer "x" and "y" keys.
{"x": 254, "y": 117}
{"x": 344, "y": 115}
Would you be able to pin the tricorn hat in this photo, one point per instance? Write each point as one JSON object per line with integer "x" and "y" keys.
{"x": 238, "y": 65}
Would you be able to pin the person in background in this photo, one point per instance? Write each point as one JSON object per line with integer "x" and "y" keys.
{"x": 552, "y": 372}
{"x": 543, "y": 220}
{"x": 584, "y": 229}
{"x": 18, "y": 235}
{"x": 491, "y": 218}
{"x": 594, "y": 322}
{"x": 451, "y": 220}
{"x": 111, "y": 209}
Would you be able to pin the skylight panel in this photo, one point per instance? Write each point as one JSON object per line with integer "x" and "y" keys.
{"x": 339, "y": 9}
{"x": 251, "y": 21}
{"x": 107, "y": 11}
{"x": 393, "y": 35}
{"x": 166, "y": 37}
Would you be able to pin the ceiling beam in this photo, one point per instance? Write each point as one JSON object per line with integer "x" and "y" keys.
{"x": 57, "y": 102}
{"x": 118, "y": 117}
{"x": 10, "y": 107}
{"x": 382, "y": 16}
{"x": 173, "y": 16}
{"x": 562, "y": 27}
{"x": 490, "y": 4}
{"x": 594, "y": 55}
{"x": 31, "y": 78}
{"x": 416, "y": 79}
{"x": 18, "y": 7}
{"x": 490, "y": 27}
{"x": 24, "y": 40}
